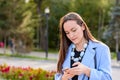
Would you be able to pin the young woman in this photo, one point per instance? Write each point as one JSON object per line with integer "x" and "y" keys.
{"x": 81, "y": 56}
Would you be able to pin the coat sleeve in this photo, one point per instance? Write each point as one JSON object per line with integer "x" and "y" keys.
{"x": 103, "y": 71}
{"x": 58, "y": 76}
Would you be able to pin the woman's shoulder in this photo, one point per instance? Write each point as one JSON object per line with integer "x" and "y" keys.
{"x": 101, "y": 48}
{"x": 99, "y": 44}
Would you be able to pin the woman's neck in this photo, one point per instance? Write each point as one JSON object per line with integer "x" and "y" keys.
{"x": 80, "y": 46}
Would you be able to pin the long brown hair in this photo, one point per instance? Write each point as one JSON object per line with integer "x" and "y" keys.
{"x": 65, "y": 42}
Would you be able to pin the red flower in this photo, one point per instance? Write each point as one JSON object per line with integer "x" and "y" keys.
{"x": 31, "y": 77}
{"x": 20, "y": 75}
{"x": 5, "y": 70}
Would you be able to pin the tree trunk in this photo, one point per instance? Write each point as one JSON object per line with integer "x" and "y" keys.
{"x": 40, "y": 27}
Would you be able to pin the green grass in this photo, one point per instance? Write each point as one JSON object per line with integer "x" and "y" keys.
{"x": 50, "y": 50}
{"x": 24, "y": 56}
{"x": 113, "y": 55}
{"x": 1, "y": 78}
{"x": 53, "y": 51}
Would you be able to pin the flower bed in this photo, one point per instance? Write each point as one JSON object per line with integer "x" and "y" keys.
{"x": 19, "y": 73}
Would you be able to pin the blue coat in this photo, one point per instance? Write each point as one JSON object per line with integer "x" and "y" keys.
{"x": 97, "y": 54}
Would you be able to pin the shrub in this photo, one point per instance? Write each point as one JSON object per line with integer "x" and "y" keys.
{"x": 20, "y": 73}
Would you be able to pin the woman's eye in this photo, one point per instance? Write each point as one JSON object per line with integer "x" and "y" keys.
{"x": 67, "y": 33}
{"x": 74, "y": 30}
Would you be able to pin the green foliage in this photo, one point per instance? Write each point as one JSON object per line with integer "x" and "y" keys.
{"x": 95, "y": 14}
{"x": 26, "y": 21}
{"x": 54, "y": 18}
{"x": 18, "y": 21}
{"x": 3, "y": 17}
{"x": 112, "y": 32}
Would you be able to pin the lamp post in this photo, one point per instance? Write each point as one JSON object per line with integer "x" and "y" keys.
{"x": 26, "y": 1}
{"x": 47, "y": 11}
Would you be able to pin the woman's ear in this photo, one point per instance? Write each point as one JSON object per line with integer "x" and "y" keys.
{"x": 83, "y": 27}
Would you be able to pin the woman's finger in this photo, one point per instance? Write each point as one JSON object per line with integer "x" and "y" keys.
{"x": 76, "y": 64}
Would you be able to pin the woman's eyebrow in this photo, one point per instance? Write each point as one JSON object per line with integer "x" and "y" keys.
{"x": 71, "y": 29}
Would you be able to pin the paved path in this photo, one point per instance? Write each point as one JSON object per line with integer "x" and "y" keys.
{"x": 115, "y": 70}
{"x": 18, "y": 62}
{"x": 49, "y": 64}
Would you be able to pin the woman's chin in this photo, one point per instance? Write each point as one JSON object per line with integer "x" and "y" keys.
{"x": 75, "y": 42}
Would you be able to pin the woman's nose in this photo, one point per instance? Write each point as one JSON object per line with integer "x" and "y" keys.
{"x": 71, "y": 35}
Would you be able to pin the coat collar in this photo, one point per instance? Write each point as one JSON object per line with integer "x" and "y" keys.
{"x": 89, "y": 54}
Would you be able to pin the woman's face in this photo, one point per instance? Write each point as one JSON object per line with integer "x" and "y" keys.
{"x": 73, "y": 31}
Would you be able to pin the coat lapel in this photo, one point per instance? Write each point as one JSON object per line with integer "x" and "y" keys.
{"x": 89, "y": 56}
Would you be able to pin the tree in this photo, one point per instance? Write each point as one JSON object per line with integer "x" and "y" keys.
{"x": 27, "y": 20}
{"x": 18, "y": 21}
{"x": 7, "y": 20}
{"x": 95, "y": 15}
{"x": 113, "y": 31}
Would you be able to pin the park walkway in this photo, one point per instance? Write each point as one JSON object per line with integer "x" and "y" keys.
{"x": 49, "y": 64}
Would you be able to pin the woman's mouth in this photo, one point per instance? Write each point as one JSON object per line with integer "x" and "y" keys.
{"x": 73, "y": 39}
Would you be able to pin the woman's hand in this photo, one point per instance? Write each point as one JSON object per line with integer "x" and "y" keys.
{"x": 79, "y": 69}
{"x": 67, "y": 75}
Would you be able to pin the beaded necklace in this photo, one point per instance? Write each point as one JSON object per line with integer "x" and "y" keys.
{"x": 81, "y": 54}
